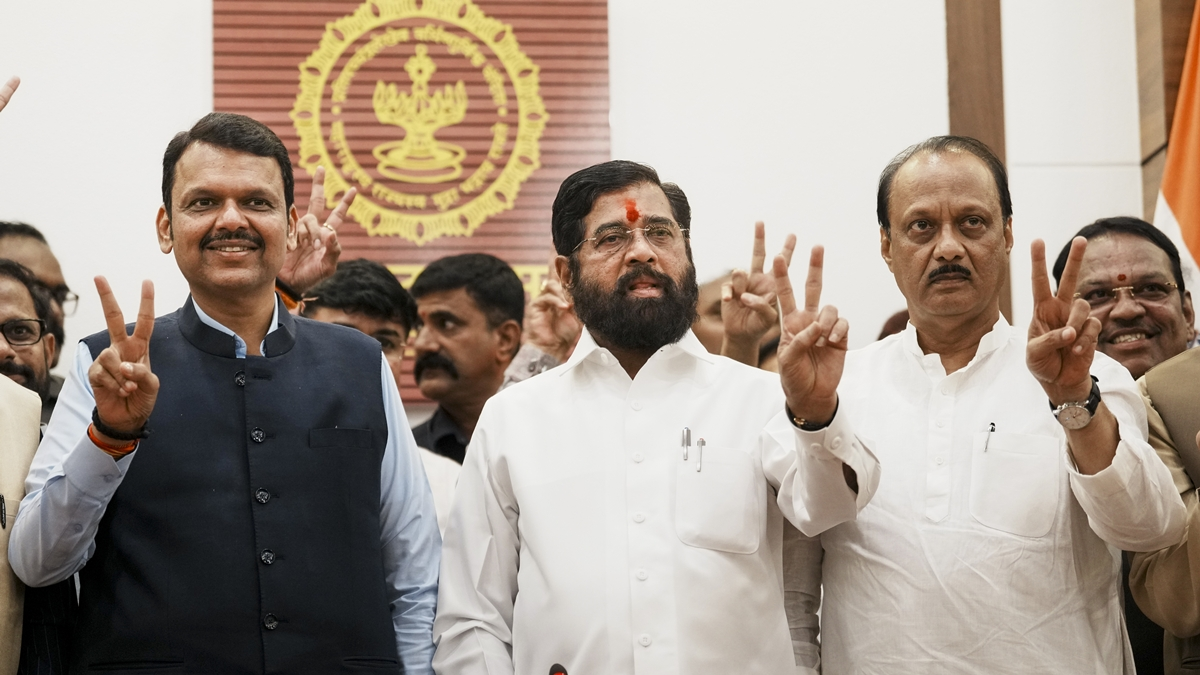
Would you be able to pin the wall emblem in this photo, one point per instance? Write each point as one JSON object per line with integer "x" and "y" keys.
{"x": 429, "y": 108}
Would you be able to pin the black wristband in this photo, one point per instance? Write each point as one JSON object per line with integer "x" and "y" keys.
{"x": 804, "y": 425}
{"x": 103, "y": 428}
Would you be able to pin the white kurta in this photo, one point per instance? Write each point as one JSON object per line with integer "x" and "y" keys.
{"x": 580, "y": 535}
{"x": 985, "y": 551}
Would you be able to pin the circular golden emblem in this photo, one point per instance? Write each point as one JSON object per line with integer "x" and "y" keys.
{"x": 429, "y": 108}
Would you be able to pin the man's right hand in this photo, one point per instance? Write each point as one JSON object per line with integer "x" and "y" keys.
{"x": 812, "y": 347}
{"x": 124, "y": 387}
{"x": 7, "y": 91}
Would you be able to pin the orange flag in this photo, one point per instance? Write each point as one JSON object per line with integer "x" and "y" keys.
{"x": 1181, "y": 176}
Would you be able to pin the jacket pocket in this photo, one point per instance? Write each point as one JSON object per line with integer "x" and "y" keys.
{"x": 338, "y": 437}
{"x": 355, "y": 664}
{"x": 1015, "y": 482}
{"x": 721, "y": 506}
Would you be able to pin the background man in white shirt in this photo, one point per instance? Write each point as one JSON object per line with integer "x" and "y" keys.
{"x": 993, "y": 543}
{"x": 623, "y": 513}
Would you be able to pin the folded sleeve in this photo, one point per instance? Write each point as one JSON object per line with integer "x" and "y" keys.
{"x": 1133, "y": 503}
{"x": 806, "y": 468}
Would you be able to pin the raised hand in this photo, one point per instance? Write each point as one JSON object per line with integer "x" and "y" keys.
{"x": 317, "y": 249}
{"x": 812, "y": 347}
{"x": 1062, "y": 335}
{"x": 550, "y": 321}
{"x": 7, "y": 91}
{"x": 748, "y": 308}
{"x": 123, "y": 384}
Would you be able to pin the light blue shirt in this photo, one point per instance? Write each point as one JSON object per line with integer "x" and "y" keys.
{"x": 71, "y": 482}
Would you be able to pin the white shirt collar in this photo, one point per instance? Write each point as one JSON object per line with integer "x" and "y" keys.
{"x": 587, "y": 349}
{"x": 993, "y": 340}
{"x": 240, "y": 344}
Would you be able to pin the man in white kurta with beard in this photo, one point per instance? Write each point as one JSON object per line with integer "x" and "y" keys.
{"x": 623, "y": 512}
{"x": 993, "y": 543}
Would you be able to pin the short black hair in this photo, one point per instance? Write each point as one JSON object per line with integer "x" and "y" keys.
{"x": 938, "y": 145}
{"x": 580, "y": 190}
{"x": 488, "y": 280}
{"x": 22, "y": 275}
{"x": 14, "y": 228}
{"x": 1124, "y": 225}
{"x": 364, "y": 287}
{"x": 233, "y": 132}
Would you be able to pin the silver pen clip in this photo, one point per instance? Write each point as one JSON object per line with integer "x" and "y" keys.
{"x": 699, "y": 453}
{"x": 687, "y": 442}
{"x": 988, "y": 440}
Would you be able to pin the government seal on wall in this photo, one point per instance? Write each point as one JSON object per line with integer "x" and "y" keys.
{"x": 429, "y": 108}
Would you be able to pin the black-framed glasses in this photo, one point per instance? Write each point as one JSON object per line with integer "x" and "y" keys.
{"x": 67, "y": 299}
{"x": 19, "y": 332}
{"x": 613, "y": 239}
{"x": 1149, "y": 292}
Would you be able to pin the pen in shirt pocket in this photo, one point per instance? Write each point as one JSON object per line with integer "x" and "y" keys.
{"x": 988, "y": 440}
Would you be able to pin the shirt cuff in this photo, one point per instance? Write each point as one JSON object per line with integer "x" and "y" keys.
{"x": 1110, "y": 480}
{"x": 838, "y": 443}
{"x": 94, "y": 472}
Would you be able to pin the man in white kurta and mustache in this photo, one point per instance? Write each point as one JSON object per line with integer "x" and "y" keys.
{"x": 623, "y": 512}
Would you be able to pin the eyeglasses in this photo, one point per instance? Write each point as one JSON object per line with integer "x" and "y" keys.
{"x": 19, "y": 332}
{"x": 614, "y": 238}
{"x": 1150, "y": 292}
{"x": 61, "y": 294}
{"x": 67, "y": 299}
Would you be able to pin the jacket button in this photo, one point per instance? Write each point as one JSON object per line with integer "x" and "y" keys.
{"x": 267, "y": 556}
{"x": 262, "y": 496}
{"x": 270, "y": 622}
{"x": 258, "y": 435}
{"x": 240, "y": 378}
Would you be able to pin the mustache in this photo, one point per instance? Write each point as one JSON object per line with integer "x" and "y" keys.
{"x": 8, "y": 368}
{"x": 435, "y": 361}
{"x": 949, "y": 269}
{"x": 668, "y": 284}
{"x": 240, "y": 234}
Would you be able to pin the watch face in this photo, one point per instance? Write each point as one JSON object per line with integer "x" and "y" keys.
{"x": 1074, "y": 416}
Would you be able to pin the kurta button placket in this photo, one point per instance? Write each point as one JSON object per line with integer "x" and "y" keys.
{"x": 262, "y": 496}
{"x": 267, "y": 556}
{"x": 270, "y": 622}
{"x": 258, "y": 435}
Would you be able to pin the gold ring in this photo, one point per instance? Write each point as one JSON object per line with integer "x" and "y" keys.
{"x": 328, "y": 227}
{"x": 545, "y": 283}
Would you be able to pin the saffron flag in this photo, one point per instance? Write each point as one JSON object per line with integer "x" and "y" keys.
{"x": 1178, "y": 210}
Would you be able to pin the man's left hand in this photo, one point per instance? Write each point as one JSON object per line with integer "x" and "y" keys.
{"x": 1062, "y": 335}
{"x": 317, "y": 249}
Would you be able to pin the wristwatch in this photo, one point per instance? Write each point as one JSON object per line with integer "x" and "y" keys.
{"x": 1077, "y": 414}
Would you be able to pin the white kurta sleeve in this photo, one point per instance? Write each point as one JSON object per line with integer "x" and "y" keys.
{"x": 1133, "y": 503}
{"x": 806, "y": 468}
{"x": 478, "y": 585}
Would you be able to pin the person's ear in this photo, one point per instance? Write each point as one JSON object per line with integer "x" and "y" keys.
{"x": 162, "y": 227}
{"x": 885, "y": 247}
{"x": 1189, "y": 314}
{"x": 562, "y": 265}
{"x": 292, "y": 231}
{"x": 508, "y": 340}
{"x": 1008, "y": 235}
{"x": 49, "y": 348}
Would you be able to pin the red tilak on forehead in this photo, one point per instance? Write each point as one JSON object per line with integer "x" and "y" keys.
{"x": 631, "y": 211}
{"x": 1120, "y": 277}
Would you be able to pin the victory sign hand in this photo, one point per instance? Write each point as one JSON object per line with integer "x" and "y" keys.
{"x": 748, "y": 307}
{"x": 124, "y": 387}
{"x": 317, "y": 249}
{"x": 812, "y": 347}
{"x": 1062, "y": 335}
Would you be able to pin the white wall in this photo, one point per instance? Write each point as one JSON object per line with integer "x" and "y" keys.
{"x": 784, "y": 112}
{"x": 104, "y": 87}
{"x": 1071, "y": 112}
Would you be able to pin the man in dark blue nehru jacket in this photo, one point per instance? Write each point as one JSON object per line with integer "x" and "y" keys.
{"x": 237, "y": 487}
